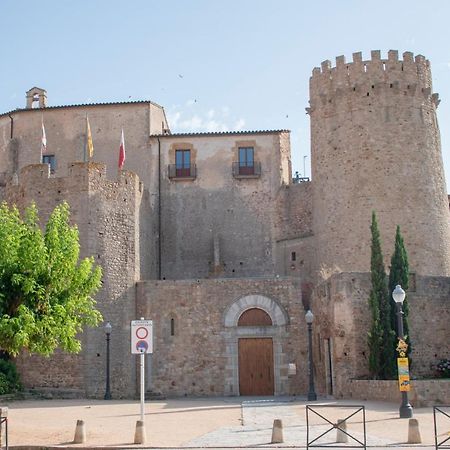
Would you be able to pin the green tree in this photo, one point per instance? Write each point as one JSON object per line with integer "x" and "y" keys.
{"x": 381, "y": 337}
{"x": 399, "y": 274}
{"x": 45, "y": 291}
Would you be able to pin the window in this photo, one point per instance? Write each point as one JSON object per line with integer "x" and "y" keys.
{"x": 246, "y": 161}
{"x": 51, "y": 161}
{"x": 183, "y": 163}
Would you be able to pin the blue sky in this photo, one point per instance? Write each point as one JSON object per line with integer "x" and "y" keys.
{"x": 213, "y": 64}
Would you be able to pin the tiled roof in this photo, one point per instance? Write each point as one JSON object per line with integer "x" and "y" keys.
{"x": 219, "y": 133}
{"x": 81, "y": 105}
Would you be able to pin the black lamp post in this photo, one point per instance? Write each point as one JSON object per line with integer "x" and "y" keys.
{"x": 398, "y": 294}
{"x": 108, "y": 329}
{"x": 309, "y": 316}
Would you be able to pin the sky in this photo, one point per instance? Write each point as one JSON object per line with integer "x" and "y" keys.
{"x": 215, "y": 65}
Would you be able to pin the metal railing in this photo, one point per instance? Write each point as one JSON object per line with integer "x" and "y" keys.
{"x": 246, "y": 169}
{"x": 339, "y": 426}
{"x": 444, "y": 412}
{"x": 178, "y": 172}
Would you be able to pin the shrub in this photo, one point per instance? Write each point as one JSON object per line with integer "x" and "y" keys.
{"x": 9, "y": 378}
{"x": 443, "y": 368}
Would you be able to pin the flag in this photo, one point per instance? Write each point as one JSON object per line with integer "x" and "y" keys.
{"x": 89, "y": 144}
{"x": 121, "y": 151}
{"x": 43, "y": 142}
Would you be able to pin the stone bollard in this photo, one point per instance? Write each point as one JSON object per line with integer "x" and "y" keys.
{"x": 413, "y": 432}
{"x": 139, "y": 434}
{"x": 277, "y": 432}
{"x": 341, "y": 426}
{"x": 80, "y": 433}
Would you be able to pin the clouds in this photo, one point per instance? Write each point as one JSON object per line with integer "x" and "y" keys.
{"x": 184, "y": 119}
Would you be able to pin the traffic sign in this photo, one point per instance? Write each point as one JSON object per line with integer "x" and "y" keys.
{"x": 141, "y": 336}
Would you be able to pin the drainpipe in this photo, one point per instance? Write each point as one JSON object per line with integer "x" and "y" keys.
{"x": 159, "y": 211}
{"x": 12, "y": 125}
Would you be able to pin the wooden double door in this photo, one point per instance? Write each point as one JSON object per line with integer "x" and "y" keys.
{"x": 256, "y": 366}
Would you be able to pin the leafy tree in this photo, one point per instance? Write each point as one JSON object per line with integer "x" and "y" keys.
{"x": 399, "y": 274}
{"x": 381, "y": 336}
{"x": 45, "y": 292}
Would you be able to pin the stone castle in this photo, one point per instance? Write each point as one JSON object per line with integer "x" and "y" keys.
{"x": 208, "y": 235}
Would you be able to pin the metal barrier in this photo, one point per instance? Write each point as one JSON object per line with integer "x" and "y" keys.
{"x": 313, "y": 443}
{"x": 438, "y": 411}
{"x": 4, "y": 420}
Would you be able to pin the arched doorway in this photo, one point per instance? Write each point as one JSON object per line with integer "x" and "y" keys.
{"x": 255, "y": 329}
{"x": 255, "y": 356}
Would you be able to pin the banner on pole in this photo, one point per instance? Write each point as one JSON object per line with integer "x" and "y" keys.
{"x": 403, "y": 374}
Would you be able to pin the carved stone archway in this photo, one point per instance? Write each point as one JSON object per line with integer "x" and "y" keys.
{"x": 233, "y": 332}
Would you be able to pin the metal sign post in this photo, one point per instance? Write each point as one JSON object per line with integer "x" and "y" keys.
{"x": 142, "y": 343}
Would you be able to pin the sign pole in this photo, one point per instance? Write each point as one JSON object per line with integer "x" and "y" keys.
{"x": 142, "y": 385}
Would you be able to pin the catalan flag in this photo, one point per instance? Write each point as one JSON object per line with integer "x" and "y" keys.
{"x": 89, "y": 143}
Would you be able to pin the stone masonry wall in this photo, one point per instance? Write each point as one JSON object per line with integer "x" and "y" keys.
{"x": 341, "y": 306}
{"x": 294, "y": 251}
{"x": 201, "y": 357}
{"x": 375, "y": 147}
{"x": 106, "y": 213}
{"x": 215, "y": 224}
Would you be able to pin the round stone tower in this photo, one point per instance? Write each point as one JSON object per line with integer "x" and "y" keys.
{"x": 375, "y": 146}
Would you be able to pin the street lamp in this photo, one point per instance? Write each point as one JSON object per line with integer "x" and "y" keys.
{"x": 108, "y": 329}
{"x": 398, "y": 294}
{"x": 309, "y": 316}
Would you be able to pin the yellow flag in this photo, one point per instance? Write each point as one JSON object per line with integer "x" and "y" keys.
{"x": 89, "y": 144}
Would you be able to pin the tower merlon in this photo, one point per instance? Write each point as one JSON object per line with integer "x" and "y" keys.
{"x": 375, "y": 71}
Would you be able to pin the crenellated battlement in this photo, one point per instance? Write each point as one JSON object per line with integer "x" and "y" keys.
{"x": 410, "y": 74}
{"x": 88, "y": 177}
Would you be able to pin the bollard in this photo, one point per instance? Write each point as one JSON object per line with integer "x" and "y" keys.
{"x": 139, "y": 434}
{"x": 341, "y": 426}
{"x": 80, "y": 433}
{"x": 413, "y": 432}
{"x": 277, "y": 432}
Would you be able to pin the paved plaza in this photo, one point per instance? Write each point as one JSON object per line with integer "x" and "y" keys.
{"x": 213, "y": 423}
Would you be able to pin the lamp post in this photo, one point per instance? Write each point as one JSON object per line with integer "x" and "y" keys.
{"x": 108, "y": 329}
{"x": 398, "y": 294}
{"x": 309, "y": 316}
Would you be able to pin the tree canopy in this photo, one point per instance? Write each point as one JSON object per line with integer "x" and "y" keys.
{"x": 45, "y": 291}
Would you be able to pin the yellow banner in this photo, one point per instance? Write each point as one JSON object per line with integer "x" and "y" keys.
{"x": 403, "y": 374}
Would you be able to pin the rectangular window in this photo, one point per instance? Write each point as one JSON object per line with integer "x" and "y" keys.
{"x": 51, "y": 161}
{"x": 183, "y": 163}
{"x": 246, "y": 161}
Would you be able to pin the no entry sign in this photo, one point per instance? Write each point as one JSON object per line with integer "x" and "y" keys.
{"x": 141, "y": 336}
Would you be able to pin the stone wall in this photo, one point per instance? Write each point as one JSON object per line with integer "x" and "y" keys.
{"x": 294, "y": 251}
{"x": 200, "y": 358}
{"x": 375, "y": 146}
{"x": 107, "y": 215}
{"x": 423, "y": 392}
{"x": 215, "y": 224}
{"x": 343, "y": 316}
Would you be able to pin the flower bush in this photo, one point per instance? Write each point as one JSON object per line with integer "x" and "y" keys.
{"x": 443, "y": 368}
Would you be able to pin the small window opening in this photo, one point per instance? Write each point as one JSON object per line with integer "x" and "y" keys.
{"x": 293, "y": 256}
{"x": 390, "y": 85}
{"x": 368, "y": 94}
{"x": 172, "y": 327}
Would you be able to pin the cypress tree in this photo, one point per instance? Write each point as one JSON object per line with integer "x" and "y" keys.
{"x": 380, "y": 332}
{"x": 399, "y": 274}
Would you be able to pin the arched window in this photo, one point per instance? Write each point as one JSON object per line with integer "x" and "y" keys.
{"x": 254, "y": 317}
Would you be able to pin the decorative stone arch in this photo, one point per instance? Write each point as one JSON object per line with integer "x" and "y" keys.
{"x": 277, "y": 332}
{"x": 276, "y": 312}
